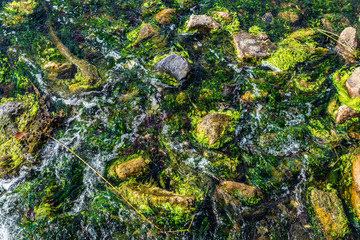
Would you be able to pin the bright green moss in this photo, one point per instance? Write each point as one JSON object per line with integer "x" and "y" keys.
{"x": 255, "y": 30}
{"x": 230, "y": 25}
{"x": 290, "y": 52}
{"x": 150, "y": 7}
{"x": 339, "y": 79}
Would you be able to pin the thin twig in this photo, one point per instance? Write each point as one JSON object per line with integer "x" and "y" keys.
{"x": 121, "y": 195}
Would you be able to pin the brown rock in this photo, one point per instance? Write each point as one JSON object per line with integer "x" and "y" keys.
{"x": 213, "y": 125}
{"x": 289, "y": 15}
{"x": 132, "y": 168}
{"x": 355, "y": 189}
{"x": 345, "y": 113}
{"x": 251, "y": 46}
{"x": 202, "y": 23}
{"x": 224, "y": 15}
{"x": 166, "y": 16}
{"x": 268, "y": 17}
{"x": 65, "y": 70}
{"x": 146, "y": 31}
{"x": 353, "y": 84}
{"x": 347, "y": 44}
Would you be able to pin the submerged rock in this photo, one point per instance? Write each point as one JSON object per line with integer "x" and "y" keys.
{"x": 174, "y": 65}
{"x": 213, "y": 127}
{"x": 166, "y": 16}
{"x": 347, "y": 44}
{"x": 202, "y": 23}
{"x": 224, "y": 15}
{"x": 146, "y": 31}
{"x": 268, "y": 17}
{"x": 141, "y": 194}
{"x": 329, "y": 213}
{"x": 235, "y": 193}
{"x": 252, "y": 46}
{"x": 345, "y": 113}
{"x": 353, "y": 84}
{"x": 65, "y": 70}
{"x": 134, "y": 166}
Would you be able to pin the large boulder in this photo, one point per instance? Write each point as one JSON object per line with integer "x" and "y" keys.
{"x": 213, "y": 127}
{"x": 174, "y": 65}
{"x": 346, "y": 113}
{"x": 347, "y": 44}
{"x": 353, "y": 84}
{"x": 135, "y": 166}
{"x": 252, "y": 46}
{"x": 202, "y": 23}
{"x": 329, "y": 213}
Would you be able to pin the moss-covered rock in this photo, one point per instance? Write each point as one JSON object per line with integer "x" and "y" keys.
{"x": 236, "y": 193}
{"x": 65, "y": 70}
{"x": 145, "y": 196}
{"x": 130, "y": 167}
{"x": 290, "y": 13}
{"x": 15, "y": 12}
{"x": 149, "y": 7}
{"x": 166, "y": 16}
{"x": 334, "y": 22}
{"x": 329, "y": 213}
{"x": 214, "y": 129}
{"x": 24, "y": 125}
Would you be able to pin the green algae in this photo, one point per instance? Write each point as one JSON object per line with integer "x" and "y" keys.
{"x": 339, "y": 79}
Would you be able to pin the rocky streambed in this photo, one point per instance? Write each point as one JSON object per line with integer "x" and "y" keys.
{"x": 207, "y": 119}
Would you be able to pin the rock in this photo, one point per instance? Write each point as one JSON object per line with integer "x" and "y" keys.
{"x": 329, "y": 213}
{"x": 235, "y": 193}
{"x": 345, "y": 113}
{"x": 156, "y": 196}
{"x": 134, "y": 167}
{"x": 224, "y": 15}
{"x": 268, "y": 17}
{"x": 353, "y": 84}
{"x": 146, "y": 31}
{"x": 251, "y": 46}
{"x": 202, "y": 23}
{"x": 289, "y": 15}
{"x": 355, "y": 189}
{"x": 213, "y": 126}
{"x": 65, "y": 70}
{"x": 166, "y": 16}
{"x": 174, "y": 65}
{"x": 347, "y": 44}
{"x": 10, "y": 109}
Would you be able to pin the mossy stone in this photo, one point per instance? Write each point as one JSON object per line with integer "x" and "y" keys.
{"x": 329, "y": 213}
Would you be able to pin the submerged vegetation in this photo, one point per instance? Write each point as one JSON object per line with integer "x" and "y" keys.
{"x": 209, "y": 119}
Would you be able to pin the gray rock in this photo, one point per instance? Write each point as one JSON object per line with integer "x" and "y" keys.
{"x": 11, "y": 109}
{"x": 353, "y": 84}
{"x": 252, "y": 46}
{"x": 202, "y": 22}
{"x": 174, "y": 65}
{"x": 347, "y": 43}
{"x": 346, "y": 113}
{"x": 268, "y": 17}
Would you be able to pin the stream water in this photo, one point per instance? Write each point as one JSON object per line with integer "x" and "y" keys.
{"x": 281, "y": 143}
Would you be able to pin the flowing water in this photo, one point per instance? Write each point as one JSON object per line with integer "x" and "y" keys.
{"x": 133, "y": 111}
